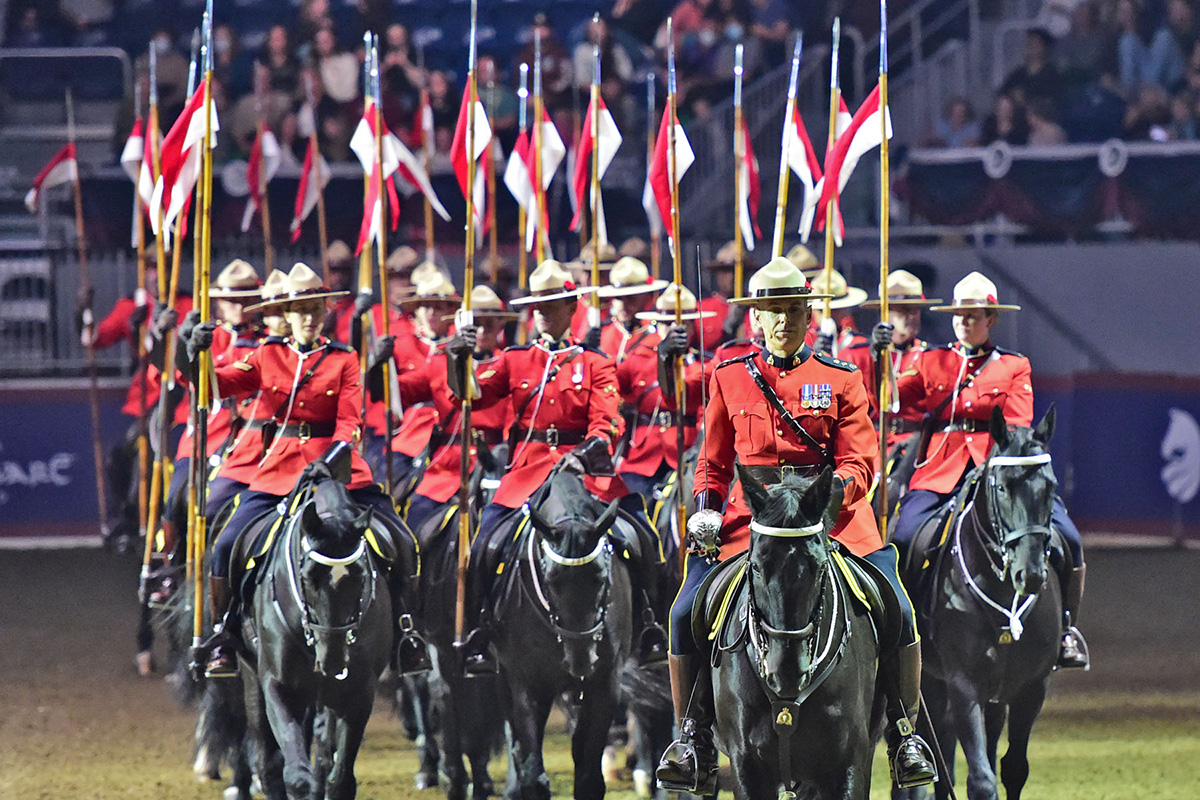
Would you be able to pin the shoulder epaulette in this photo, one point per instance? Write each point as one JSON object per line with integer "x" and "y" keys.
{"x": 736, "y": 360}
{"x": 518, "y": 347}
{"x": 940, "y": 347}
{"x": 1004, "y": 351}
{"x": 595, "y": 350}
{"x": 836, "y": 363}
{"x": 345, "y": 348}
{"x": 274, "y": 340}
{"x": 251, "y": 343}
{"x": 858, "y": 345}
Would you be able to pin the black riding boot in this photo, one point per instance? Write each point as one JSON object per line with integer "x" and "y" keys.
{"x": 690, "y": 762}
{"x": 222, "y": 656}
{"x": 478, "y": 656}
{"x": 1073, "y": 653}
{"x": 910, "y": 758}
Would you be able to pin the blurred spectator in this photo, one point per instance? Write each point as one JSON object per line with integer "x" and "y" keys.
{"x": 401, "y": 75}
{"x": 771, "y": 28}
{"x": 1037, "y": 76}
{"x": 338, "y": 69}
{"x": 314, "y": 16}
{"x": 1161, "y": 62}
{"x": 1086, "y": 51}
{"x": 639, "y": 18}
{"x": 443, "y": 100}
{"x": 957, "y": 127}
{"x": 32, "y": 23}
{"x": 1183, "y": 117}
{"x": 1043, "y": 130}
{"x": 172, "y": 73}
{"x": 230, "y": 65}
{"x": 499, "y": 101}
{"x": 279, "y": 64}
{"x": 1150, "y": 117}
{"x": 1006, "y": 123}
{"x": 1094, "y": 113}
{"x": 87, "y": 19}
{"x": 557, "y": 77}
{"x": 615, "y": 61}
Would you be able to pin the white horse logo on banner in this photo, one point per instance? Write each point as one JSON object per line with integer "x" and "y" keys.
{"x": 1180, "y": 448}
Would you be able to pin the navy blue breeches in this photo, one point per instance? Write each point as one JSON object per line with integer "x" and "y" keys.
{"x": 221, "y": 491}
{"x": 918, "y": 506}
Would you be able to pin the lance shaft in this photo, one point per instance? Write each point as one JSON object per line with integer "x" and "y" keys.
{"x": 739, "y": 156}
{"x": 655, "y": 236}
{"x": 677, "y": 256}
{"x": 425, "y": 157}
{"x": 381, "y": 250}
{"x": 542, "y": 237}
{"x": 831, "y": 206}
{"x": 595, "y": 134}
{"x": 884, "y": 369}
{"x": 264, "y": 207}
{"x": 784, "y": 147}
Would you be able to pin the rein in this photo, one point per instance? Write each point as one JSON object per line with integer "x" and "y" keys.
{"x": 603, "y": 547}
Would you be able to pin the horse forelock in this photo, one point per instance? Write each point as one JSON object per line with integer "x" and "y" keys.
{"x": 337, "y": 533}
{"x": 785, "y": 509}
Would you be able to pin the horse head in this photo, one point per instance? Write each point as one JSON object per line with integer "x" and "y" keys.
{"x": 573, "y": 564}
{"x": 789, "y": 562}
{"x": 1018, "y": 489}
{"x": 335, "y": 574}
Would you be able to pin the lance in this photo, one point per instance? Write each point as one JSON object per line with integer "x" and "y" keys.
{"x": 831, "y": 206}
{"x": 543, "y": 236}
{"x": 264, "y": 207}
{"x": 788, "y": 114}
{"x": 381, "y": 250}
{"x": 466, "y": 320}
{"x": 168, "y": 362}
{"x": 322, "y": 231}
{"x": 655, "y": 235}
{"x": 203, "y": 389}
{"x": 143, "y": 443}
{"x": 884, "y": 367}
{"x": 677, "y": 257}
{"x": 85, "y": 282}
{"x": 576, "y": 128}
{"x": 490, "y": 173}
{"x": 739, "y": 156}
{"x": 522, "y": 213}
{"x": 364, "y": 258}
{"x": 594, "y": 309}
{"x": 427, "y": 146}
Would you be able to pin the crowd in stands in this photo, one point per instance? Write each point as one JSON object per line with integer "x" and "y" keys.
{"x": 308, "y": 73}
{"x": 1117, "y": 69}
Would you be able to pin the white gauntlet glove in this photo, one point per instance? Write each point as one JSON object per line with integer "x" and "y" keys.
{"x": 704, "y": 533}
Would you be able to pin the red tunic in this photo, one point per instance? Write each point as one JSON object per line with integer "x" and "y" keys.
{"x": 711, "y": 325}
{"x": 905, "y": 362}
{"x": 617, "y": 341}
{"x": 443, "y": 475}
{"x": 332, "y": 395}
{"x": 741, "y": 425}
{"x": 227, "y": 348}
{"x": 113, "y": 330}
{"x": 654, "y": 441}
{"x": 1003, "y": 382}
{"x": 580, "y": 398}
{"x": 241, "y": 462}
{"x": 417, "y": 362}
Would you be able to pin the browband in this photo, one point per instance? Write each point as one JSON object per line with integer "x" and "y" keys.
{"x": 575, "y": 562}
{"x": 788, "y": 533}
{"x": 329, "y": 561}
{"x": 1020, "y": 461}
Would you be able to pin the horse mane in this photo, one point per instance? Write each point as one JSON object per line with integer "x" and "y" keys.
{"x": 332, "y": 521}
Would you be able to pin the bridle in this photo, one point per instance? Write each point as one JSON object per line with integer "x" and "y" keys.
{"x": 603, "y": 550}
{"x": 1004, "y": 539}
{"x": 303, "y": 549}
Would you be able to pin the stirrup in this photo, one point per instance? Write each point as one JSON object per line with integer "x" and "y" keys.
{"x": 221, "y": 664}
{"x": 911, "y": 760}
{"x": 682, "y": 768}
{"x": 652, "y": 642}
{"x": 478, "y": 659}
{"x": 412, "y": 654}
{"x": 1073, "y": 651}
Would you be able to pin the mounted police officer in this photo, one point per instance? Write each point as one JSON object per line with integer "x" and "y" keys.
{"x": 565, "y": 407}
{"x": 315, "y": 386}
{"x": 783, "y": 408}
{"x": 958, "y": 386}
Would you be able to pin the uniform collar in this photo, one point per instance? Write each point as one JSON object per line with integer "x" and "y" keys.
{"x": 798, "y": 358}
{"x": 546, "y": 343}
{"x": 320, "y": 342}
{"x": 973, "y": 352}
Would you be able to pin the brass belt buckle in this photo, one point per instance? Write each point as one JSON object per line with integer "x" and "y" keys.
{"x": 552, "y": 438}
{"x": 303, "y": 432}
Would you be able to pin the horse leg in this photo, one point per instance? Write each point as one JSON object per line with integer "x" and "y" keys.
{"x": 418, "y": 691}
{"x": 455, "y": 723}
{"x": 937, "y": 704}
{"x": 591, "y": 737}
{"x": 528, "y": 710}
{"x": 268, "y": 759}
{"x": 287, "y": 718}
{"x": 1023, "y": 712}
{"x": 967, "y": 711}
{"x": 346, "y": 734}
{"x": 480, "y": 732}
{"x": 994, "y": 716}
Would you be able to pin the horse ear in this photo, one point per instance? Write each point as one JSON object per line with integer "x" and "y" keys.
{"x": 609, "y": 516}
{"x": 756, "y": 495}
{"x": 310, "y": 520}
{"x": 816, "y": 496}
{"x": 998, "y": 428}
{"x": 540, "y": 523}
{"x": 1045, "y": 429}
{"x": 363, "y": 521}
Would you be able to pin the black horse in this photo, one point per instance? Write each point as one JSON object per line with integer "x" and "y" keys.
{"x": 794, "y": 669}
{"x": 990, "y": 610}
{"x": 470, "y": 720}
{"x": 318, "y": 633}
{"x": 563, "y": 624}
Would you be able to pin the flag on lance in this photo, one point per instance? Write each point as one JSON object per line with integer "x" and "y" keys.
{"x": 751, "y": 191}
{"x": 458, "y": 151}
{"x": 609, "y": 142}
{"x": 314, "y": 176}
{"x": 660, "y": 177}
{"x": 180, "y": 161}
{"x": 265, "y": 155}
{"x": 62, "y": 168}
{"x": 863, "y": 134}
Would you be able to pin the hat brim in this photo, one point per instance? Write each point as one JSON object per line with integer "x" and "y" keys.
{"x": 905, "y": 303}
{"x": 221, "y": 293}
{"x": 656, "y": 285}
{"x": 954, "y": 309}
{"x": 418, "y": 300}
{"x": 756, "y": 301}
{"x": 534, "y": 299}
{"x": 487, "y": 312}
{"x": 659, "y": 316}
{"x": 289, "y": 299}
{"x": 853, "y": 298}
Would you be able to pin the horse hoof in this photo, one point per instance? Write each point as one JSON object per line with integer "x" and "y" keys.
{"x": 608, "y": 766}
{"x": 643, "y": 783}
{"x": 425, "y": 779}
{"x": 145, "y": 663}
{"x": 232, "y": 793}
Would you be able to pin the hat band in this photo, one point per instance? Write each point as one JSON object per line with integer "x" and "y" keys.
{"x": 974, "y": 301}
{"x": 300, "y": 295}
{"x": 906, "y": 297}
{"x": 782, "y": 291}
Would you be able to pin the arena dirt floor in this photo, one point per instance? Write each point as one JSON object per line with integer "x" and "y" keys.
{"x": 76, "y": 720}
